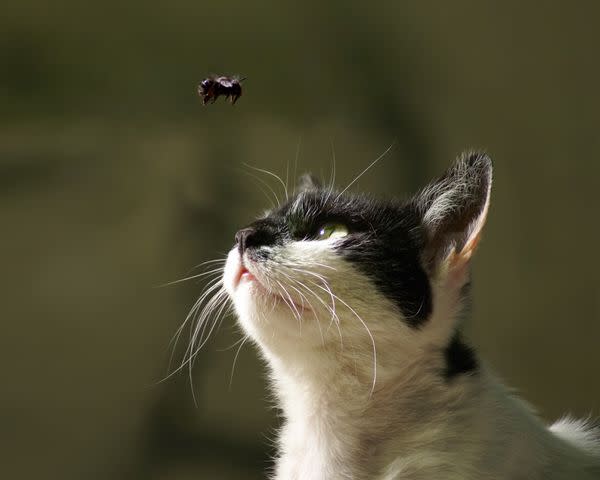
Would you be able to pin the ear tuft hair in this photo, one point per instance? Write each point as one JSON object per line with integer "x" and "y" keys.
{"x": 454, "y": 207}
{"x": 308, "y": 181}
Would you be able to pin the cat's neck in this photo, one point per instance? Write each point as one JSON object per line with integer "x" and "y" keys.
{"x": 337, "y": 426}
{"x": 339, "y": 412}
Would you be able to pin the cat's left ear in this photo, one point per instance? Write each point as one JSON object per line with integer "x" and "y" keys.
{"x": 308, "y": 182}
{"x": 453, "y": 210}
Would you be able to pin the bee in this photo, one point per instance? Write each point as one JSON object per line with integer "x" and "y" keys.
{"x": 213, "y": 87}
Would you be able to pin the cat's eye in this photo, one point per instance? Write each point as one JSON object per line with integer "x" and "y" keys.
{"x": 332, "y": 230}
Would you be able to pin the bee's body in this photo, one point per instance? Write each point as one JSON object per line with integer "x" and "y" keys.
{"x": 213, "y": 87}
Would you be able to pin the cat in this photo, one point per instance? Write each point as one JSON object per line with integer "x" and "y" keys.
{"x": 355, "y": 305}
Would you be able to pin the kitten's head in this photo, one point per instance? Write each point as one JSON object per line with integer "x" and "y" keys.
{"x": 328, "y": 269}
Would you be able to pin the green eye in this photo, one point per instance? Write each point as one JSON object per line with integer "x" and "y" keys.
{"x": 332, "y": 230}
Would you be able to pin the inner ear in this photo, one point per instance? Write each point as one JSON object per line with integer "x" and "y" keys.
{"x": 453, "y": 210}
{"x": 307, "y": 182}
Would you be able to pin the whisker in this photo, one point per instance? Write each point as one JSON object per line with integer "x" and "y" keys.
{"x": 202, "y": 322}
{"x": 359, "y": 319}
{"x": 296, "y": 161}
{"x": 214, "y": 284}
{"x": 370, "y": 336}
{"x": 263, "y": 182}
{"x": 332, "y": 174}
{"x": 314, "y": 274}
{"x": 291, "y": 305}
{"x": 303, "y": 298}
{"x": 287, "y": 174}
{"x": 267, "y": 172}
{"x": 233, "y": 345}
{"x": 235, "y": 360}
{"x": 366, "y": 169}
{"x": 220, "y": 297}
{"x": 207, "y": 309}
{"x": 192, "y": 277}
{"x": 334, "y": 318}
{"x": 221, "y": 305}
{"x": 416, "y": 314}
{"x": 210, "y": 287}
{"x": 265, "y": 193}
{"x": 216, "y": 260}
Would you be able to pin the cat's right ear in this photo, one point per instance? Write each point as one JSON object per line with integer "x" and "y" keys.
{"x": 308, "y": 182}
{"x": 453, "y": 210}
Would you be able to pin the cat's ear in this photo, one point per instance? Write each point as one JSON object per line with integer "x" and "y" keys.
{"x": 453, "y": 210}
{"x": 308, "y": 182}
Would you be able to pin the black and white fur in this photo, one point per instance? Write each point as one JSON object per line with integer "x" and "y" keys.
{"x": 360, "y": 333}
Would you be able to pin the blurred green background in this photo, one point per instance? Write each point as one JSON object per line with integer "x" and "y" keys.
{"x": 115, "y": 179}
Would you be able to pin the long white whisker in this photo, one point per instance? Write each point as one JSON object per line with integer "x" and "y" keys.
{"x": 296, "y": 161}
{"x": 325, "y": 283}
{"x": 322, "y": 265}
{"x": 303, "y": 299}
{"x": 363, "y": 324}
{"x": 258, "y": 179}
{"x": 192, "y": 314}
{"x": 233, "y": 345}
{"x": 199, "y": 275}
{"x": 221, "y": 296}
{"x": 178, "y": 369}
{"x": 291, "y": 305}
{"x": 210, "y": 287}
{"x": 216, "y": 321}
{"x": 214, "y": 260}
{"x": 195, "y": 312}
{"x": 277, "y": 177}
{"x": 334, "y": 318}
{"x": 366, "y": 169}
{"x": 314, "y": 274}
{"x": 370, "y": 336}
{"x": 198, "y": 321}
{"x": 235, "y": 360}
{"x": 332, "y": 175}
{"x": 287, "y": 175}
{"x": 198, "y": 337}
{"x": 266, "y": 194}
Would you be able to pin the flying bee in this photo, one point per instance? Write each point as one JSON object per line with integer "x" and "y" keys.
{"x": 213, "y": 87}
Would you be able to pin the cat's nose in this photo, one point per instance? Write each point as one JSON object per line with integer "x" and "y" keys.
{"x": 242, "y": 238}
{"x": 254, "y": 236}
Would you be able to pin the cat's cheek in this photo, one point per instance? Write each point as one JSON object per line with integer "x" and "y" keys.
{"x": 232, "y": 272}
{"x": 245, "y": 310}
{"x": 240, "y": 293}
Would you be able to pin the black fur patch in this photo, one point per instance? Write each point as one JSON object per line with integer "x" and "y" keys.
{"x": 460, "y": 358}
{"x": 389, "y": 253}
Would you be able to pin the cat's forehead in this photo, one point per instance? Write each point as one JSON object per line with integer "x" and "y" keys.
{"x": 318, "y": 203}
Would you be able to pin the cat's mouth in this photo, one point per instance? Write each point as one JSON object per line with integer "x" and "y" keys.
{"x": 245, "y": 276}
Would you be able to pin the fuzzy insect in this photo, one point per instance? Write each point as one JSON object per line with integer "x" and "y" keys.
{"x": 213, "y": 87}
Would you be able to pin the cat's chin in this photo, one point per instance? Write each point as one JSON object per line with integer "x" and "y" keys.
{"x": 269, "y": 320}
{"x": 252, "y": 299}
{"x": 259, "y": 308}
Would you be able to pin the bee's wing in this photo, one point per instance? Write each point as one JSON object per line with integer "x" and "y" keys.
{"x": 226, "y": 81}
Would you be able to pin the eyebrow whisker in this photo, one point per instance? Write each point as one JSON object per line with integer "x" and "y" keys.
{"x": 274, "y": 175}
{"x": 366, "y": 169}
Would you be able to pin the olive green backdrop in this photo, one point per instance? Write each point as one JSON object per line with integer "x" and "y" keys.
{"x": 115, "y": 179}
